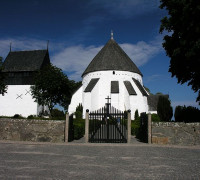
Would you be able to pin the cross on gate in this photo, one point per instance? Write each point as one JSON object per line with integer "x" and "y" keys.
{"x": 108, "y": 105}
{"x": 108, "y": 99}
{"x": 19, "y": 96}
{"x": 27, "y": 92}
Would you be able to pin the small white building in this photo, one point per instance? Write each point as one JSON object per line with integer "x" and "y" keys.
{"x": 20, "y": 68}
{"x": 111, "y": 74}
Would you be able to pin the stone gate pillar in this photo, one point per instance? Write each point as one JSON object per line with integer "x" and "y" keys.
{"x": 67, "y": 128}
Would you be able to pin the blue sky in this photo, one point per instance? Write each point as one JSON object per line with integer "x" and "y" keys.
{"x": 78, "y": 29}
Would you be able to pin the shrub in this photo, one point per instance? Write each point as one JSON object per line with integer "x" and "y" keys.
{"x": 155, "y": 118}
{"x": 79, "y": 128}
{"x": 79, "y": 111}
{"x": 136, "y": 114}
{"x": 30, "y": 117}
{"x": 18, "y": 116}
{"x": 135, "y": 126}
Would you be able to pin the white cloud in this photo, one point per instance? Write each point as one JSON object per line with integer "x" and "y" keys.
{"x": 141, "y": 52}
{"x": 20, "y": 44}
{"x": 75, "y": 59}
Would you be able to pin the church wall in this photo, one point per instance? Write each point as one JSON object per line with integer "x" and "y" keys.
{"x": 126, "y": 99}
{"x": 138, "y": 102}
{"x": 86, "y": 102}
{"x": 18, "y": 100}
{"x": 95, "y": 98}
{"x": 115, "y": 99}
{"x": 76, "y": 99}
{"x": 122, "y": 100}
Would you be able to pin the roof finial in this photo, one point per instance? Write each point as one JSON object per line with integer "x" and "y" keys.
{"x": 10, "y": 46}
{"x": 47, "y": 44}
{"x": 111, "y": 34}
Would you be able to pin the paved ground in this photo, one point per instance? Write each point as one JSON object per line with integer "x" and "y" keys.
{"x": 20, "y": 160}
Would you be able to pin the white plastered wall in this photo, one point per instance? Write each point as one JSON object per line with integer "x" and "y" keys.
{"x": 122, "y": 100}
{"x": 76, "y": 100}
{"x": 18, "y": 100}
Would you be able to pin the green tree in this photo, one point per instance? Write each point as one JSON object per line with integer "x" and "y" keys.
{"x": 182, "y": 44}
{"x": 52, "y": 87}
{"x": 3, "y": 87}
{"x": 187, "y": 114}
{"x": 164, "y": 109}
{"x": 178, "y": 114}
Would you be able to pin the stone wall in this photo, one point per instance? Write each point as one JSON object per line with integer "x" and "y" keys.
{"x": 32, "y": 130}
{"x": 176, "y": 133}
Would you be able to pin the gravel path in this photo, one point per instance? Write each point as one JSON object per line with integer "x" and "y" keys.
{"x": 26, "y": 160}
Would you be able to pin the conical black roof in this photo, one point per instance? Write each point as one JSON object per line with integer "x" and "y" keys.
{"x": 111, "y": 57}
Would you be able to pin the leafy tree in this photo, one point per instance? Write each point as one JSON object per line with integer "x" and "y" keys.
{"x": 57, "y": 114}
{"x": 187, "y": 114}
{"x": 164, "y": 109}
{"x": 178, "y": 114}
{"x": 3, "y": 87}
{"x": 182, "y": 44}
{"x": 52, "y": 87}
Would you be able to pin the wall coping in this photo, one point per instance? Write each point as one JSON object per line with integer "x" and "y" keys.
{"x": 175, "y": 124}
{"x": 30, "y": 120}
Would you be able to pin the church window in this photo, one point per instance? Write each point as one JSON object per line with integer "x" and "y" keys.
{"x": 140, "y": 87}
{"x": 114, "y": 86}
{"x": 91, "y": 84}
{"x": 113, "y": 72}
{"x": 129, "y": 88}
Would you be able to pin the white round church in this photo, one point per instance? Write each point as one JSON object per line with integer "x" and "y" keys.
{"x": 111, "y": 74}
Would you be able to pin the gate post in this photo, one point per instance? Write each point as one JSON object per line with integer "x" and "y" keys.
{"x": 87, "y": 126}
{"x": 67, "y": 128}
{"x": 129, "y": 126}
{"x": 149, "y": 128}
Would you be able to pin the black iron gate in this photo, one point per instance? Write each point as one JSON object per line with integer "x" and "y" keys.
{"x": 108, "y": 125}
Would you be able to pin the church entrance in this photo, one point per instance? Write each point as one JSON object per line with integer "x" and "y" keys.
{"x": 108, "y": 125}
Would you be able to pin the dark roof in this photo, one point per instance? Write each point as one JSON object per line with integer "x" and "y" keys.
{"x": 91, "y": 84}
{"x": 25, "y": 60}
{"x": 114, "y": 86}
{"x": 140, "y": 87}
{"x": 111, "y": 57}
{"x": 129, "y": 88}
{"x": 153, "y": 101}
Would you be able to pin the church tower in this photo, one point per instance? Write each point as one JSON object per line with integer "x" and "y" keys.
{"x": 111, "y": 73}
